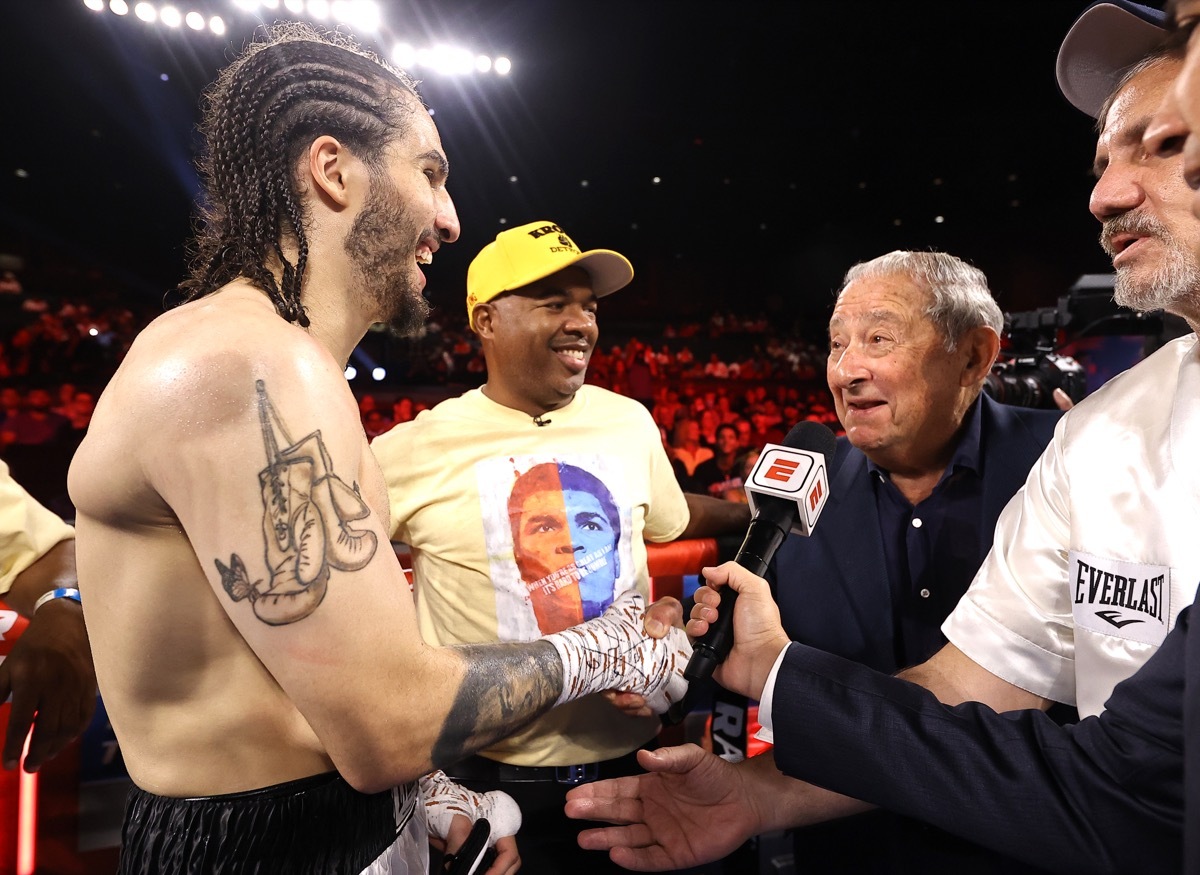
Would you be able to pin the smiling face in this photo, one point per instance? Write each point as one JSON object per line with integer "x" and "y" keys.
{"x": 538, "y": 340}
{"x": 899, "y": 394}
{"x": 1142, "y": 201}
{"x": 406, "y": 217}
{"x": 727, "y": 440}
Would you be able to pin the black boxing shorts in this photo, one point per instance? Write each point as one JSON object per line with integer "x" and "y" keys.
{"x": 314, "y": 826}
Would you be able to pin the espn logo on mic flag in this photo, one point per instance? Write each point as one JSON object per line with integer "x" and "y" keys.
{"x": 796, "y": 475}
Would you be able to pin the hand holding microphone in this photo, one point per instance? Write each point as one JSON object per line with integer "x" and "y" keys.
{"x": 787, "y": 491}
{"x": 757, "y": 631}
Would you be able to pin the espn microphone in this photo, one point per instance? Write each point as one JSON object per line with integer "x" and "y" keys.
{"x": 787, "y": 490}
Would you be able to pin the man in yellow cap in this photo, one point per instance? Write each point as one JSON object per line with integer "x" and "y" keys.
{"x": 525, "y": 503}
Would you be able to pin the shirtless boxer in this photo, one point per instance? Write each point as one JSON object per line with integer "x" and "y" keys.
{"x": 254, "y": 637}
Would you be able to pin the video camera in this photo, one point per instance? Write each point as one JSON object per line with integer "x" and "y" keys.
{"x": 1030, "y": 368}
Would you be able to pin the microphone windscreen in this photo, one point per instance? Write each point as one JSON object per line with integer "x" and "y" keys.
{"x": 813, "y": 437}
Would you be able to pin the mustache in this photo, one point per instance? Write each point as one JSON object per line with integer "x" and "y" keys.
{"x": 1129, "y": 223}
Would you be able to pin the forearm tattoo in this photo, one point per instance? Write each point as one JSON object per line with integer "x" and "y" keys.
{"x": 307, "y": 512}
{"x": 506, "y": 686}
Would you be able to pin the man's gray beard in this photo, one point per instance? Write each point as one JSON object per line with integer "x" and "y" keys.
{"x": 1175, "y": 277}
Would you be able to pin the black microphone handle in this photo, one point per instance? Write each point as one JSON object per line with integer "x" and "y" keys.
{"x": 709, "y": 650}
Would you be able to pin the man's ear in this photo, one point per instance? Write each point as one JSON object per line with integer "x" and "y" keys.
{"x": 329, "y": 168}
{"x": 483, "y": 319}
{"x": 981, "y": 345}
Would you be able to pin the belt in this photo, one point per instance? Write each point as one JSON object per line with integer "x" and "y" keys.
{"x": 477, "y": 768}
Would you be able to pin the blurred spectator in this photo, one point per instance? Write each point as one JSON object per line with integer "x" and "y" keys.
{"x": 686, "y": 447}
{"x": 65, "y": 393}
{"x": 709, "y": 420}
{"x": 403, "y": 410}
{"x": 641, "y": 370}
{"x": 716, "y": 368}
{"x": 34, "y": 422}
{"x": 745, "y": 433}
{"x": 11, "y": 402}
{"x": 375, "y": 424}
{"x": 666, "y": 408}
{"x": 9, "y": 284}
{"x": 79, "y": 412}
{"x": 746, "y": 463}
{"x": 722, "y": 473}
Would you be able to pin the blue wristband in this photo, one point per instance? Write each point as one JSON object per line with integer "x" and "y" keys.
{"x": 63, "y": 592}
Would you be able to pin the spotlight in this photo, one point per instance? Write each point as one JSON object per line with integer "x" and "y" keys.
{"x": 483, "y": 63}
{"x": 318, "y": 8}
{"x": 119, "y": 7}
{"x": 404, "y": 55}
{"x": 503, "y": 66}
{"x": 378, "y": 374}
{"x": 194, "y": 20}
{"x": 351, "y": 372}
{"x": 296, "y": 7}
{"x": 217, "y": 25}
{"x": 145, "y": 12}
{"x": 362, "y": 15}
{"x": 94, "y": 5}
{"x": 170, "y": 16}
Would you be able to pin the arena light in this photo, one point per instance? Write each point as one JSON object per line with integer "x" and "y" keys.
{"x": 362, "y": 15}
{"x": 404, "y": 55}
{"x": 378, "y": 374}
{"x": 445, "y": 59}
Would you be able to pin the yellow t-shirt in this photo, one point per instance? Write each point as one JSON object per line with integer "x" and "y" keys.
{"x": 519, "y": 530}
{"x": 27, "y": 530}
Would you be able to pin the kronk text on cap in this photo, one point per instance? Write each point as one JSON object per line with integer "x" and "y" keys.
{"x": 520, "y": 256}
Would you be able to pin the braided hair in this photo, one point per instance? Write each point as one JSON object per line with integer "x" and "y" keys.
{"x": 259, "y": 118}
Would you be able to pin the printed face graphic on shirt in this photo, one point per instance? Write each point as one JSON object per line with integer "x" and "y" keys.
{"x": 558, "y": 529}
{"x": 565, "y": 530}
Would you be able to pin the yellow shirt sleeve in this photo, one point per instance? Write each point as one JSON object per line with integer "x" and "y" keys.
{"x": 27, "y": 530}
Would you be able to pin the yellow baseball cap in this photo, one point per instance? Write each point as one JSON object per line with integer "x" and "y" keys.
{"x": 520, "y": 256}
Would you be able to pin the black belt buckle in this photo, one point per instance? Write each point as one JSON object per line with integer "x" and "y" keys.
{"x": 578, "y": 774}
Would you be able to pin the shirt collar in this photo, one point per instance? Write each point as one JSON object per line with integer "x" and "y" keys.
{"x": 967, "y": 455}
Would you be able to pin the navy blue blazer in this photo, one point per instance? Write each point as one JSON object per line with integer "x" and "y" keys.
{"x": 1104, "y": 795}
{"x": 831, "y": 587}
